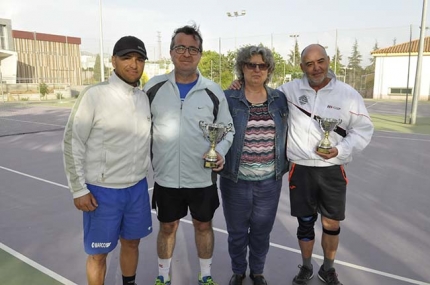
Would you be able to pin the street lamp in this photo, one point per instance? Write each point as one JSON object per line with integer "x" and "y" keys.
{"x": 102, "y": 60}
{"x": 294, "y": 49}
{"x": 236, "y": 14}
{"x": 417, "y": 84}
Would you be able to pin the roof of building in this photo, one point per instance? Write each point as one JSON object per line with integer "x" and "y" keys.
{"x": 45, "y": 37}
{"x": 403, "y": 48}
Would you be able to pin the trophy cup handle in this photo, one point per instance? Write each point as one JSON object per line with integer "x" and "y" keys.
{"x": 339, "y": 121}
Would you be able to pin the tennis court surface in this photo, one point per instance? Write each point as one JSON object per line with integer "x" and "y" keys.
{"x": 384, "y": 239}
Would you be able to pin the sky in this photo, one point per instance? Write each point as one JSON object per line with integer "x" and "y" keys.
{"x": 270, "y": 22}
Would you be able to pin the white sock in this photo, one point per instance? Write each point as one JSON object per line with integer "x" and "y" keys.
{"x": 205, "y": 267}
{"x": 164, "y": 268}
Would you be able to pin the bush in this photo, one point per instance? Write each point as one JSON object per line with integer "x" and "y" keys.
{"x": 43, "y": 89}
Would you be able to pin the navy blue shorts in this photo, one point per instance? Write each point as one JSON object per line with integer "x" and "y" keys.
{"x": 318, "y": 189}
{"x": 124, "y": 213}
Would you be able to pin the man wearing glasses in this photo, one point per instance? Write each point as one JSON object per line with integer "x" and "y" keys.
{"x": 179, "y": 100}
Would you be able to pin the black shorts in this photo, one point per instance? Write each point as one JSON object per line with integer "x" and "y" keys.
{"x": 172, "y": 204}
{"x": 318, "y": 189}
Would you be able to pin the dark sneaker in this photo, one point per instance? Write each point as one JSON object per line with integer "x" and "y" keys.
{"x": 236, "y": 279}
{"x": 329, "y": 277}
{"x": 258, "y": 279}
{"x": 305, "y": 274}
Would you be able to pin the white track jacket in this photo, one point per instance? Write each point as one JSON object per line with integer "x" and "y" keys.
{"x": 336, "y": 100}
{"x": 107, "y": 137}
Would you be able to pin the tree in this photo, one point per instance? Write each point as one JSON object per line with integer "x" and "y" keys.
{"x": 209, "y": 66}
{"x": 371, "y": 67}
{"x": 294, "y": 56}
{"x": 278, "y": 74}
{"x": 354, "y": 65}
{"x": 43, "y": 89}
{"x": 368, "y": 79}
{"x": 336, "y": 63}
{"x": 97, "y": 70}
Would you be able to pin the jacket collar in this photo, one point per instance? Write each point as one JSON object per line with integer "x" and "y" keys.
{"x": 200, "y": 80}
{"x": 120, "y": 84}
{"x": 304, "y": 82}
{"x": 240, "y": 94}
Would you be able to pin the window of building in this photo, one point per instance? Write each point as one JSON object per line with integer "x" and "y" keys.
{"x": 399, "y": 91}
{"x": 3, "y": 37}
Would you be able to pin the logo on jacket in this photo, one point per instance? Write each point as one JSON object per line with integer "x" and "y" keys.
{"x": 303, "y": 99}
{"x": 333, "y": 107}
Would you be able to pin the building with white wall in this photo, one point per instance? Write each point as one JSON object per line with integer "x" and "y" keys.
{"x": 8, "y": 56}
{"x": 33, "y": 57}
{"x": 395, "y": 69}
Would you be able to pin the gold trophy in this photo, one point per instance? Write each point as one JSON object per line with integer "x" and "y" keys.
{"x": 327, "y": 125}
{"x": 214, "y": 133}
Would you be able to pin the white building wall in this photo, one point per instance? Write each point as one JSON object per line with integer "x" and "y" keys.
{"x": 392, "y": 72}
{"x": 9, "y": 67}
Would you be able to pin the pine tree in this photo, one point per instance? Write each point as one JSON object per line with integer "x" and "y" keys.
{"x": 336, "y": 63}
{"x": 354, "y": 65}
{"x": 294, "y": 56}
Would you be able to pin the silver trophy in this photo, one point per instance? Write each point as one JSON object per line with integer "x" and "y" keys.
{"x": 327, "y": 125}
{"x": 214, "y": 133}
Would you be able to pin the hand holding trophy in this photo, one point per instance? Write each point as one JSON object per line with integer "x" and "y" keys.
{"x": 327, "y": 125}
{"x": 214, "y": 133}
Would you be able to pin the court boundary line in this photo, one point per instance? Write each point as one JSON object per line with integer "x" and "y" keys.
{"x": 286, "y": 248}
{"x": 31, "y": 122}
{"x": 36, "y": 265}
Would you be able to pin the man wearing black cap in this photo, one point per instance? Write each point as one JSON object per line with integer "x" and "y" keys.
{"x": 106, "y": 159}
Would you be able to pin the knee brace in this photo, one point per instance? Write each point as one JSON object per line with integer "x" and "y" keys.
{"x": 332, "y": 233}
{"x": 305, "y": 231}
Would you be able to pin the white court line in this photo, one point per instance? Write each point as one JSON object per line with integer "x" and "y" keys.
{"x": 394, "y": 132}
{"x": 400, "y": 138}
{"x": 372, "y": 105}
{"x": 347, "y": 264}
{"x": 34, "y": 177}
{"x": 36, "y": 265}
{"x": 31, "y": 122}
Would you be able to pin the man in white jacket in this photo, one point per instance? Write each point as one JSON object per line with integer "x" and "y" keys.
{"x": 106, "y": 158}
{"x": 317, "y": 180}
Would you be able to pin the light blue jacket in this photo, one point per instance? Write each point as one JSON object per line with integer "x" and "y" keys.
{"x": 178, "y": 144}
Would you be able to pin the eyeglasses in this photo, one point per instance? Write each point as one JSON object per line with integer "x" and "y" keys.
{"x": 182, "y": 49}
{"x": 253, "y": 66}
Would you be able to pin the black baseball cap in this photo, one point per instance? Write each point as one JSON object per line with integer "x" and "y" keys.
{"x": 129, "y": 44}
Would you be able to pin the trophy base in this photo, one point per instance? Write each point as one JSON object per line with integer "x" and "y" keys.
{"x": 210, "y": 164}
{"x": 323, "y": 150}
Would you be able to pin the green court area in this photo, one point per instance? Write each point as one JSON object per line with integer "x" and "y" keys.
{"x": 395, "y": 123}
{"x": 14, "y": 271}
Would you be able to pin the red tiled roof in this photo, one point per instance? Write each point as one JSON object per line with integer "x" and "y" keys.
{"x": 404, "y": 48}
